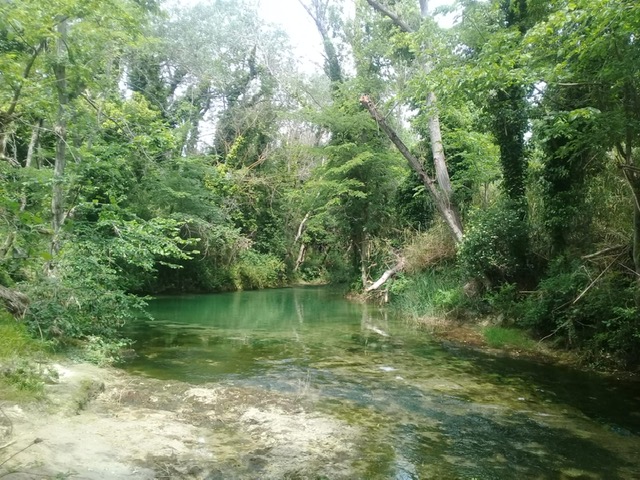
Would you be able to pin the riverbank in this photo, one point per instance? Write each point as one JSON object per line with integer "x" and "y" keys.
{"x": 299, "y": 383}
{"x": 479, "y": 336}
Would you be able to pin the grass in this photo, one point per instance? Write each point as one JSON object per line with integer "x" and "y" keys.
{"x": 21, "y": 357}
{"x": 500, "y": 337}
{"x": 431, "y": 293}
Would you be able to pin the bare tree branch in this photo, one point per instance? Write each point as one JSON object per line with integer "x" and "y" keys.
{"x": 398, "y": 22}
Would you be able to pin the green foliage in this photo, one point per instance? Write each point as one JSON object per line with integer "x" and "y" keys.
{"x": 553, "y": 307}
{"x": 199, "y": 180}
{"x": 21, "y": 378}
{"x": 75, "y": 307}
{"x": 430, "y": 293}
{"x": 255, "y": 270}
{"x": 492, "y": 244}
{"x": 100, "y": 350}
{"x": 101, "y": 261}
{"x": 21, "y": 374}
{"x": 15, "y": 340}
{"x": 414, "y": 206}
{"x": 506, "y": 301}
{"x": 601, "y": 313}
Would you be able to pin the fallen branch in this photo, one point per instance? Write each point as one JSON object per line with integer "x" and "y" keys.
{"x": 604, "y": 252}
{"x": 16, "y": 302}
{"x": 34, "y": 442}
{"x": 386, "y": 276}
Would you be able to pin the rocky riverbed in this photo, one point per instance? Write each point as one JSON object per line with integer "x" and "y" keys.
{"x": 102, "y": 423}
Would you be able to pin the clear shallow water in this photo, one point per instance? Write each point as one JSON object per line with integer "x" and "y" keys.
{"x": 428, "y": 410}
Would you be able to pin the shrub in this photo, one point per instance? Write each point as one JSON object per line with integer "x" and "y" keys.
{"x": 101, "y": 351}
{"x": 433, "y": 292}
{"x": 506, "y": 301}
{"x": 257, "y": 270}
{"x": 21, "y": 372}
{"x": 494, "y": 244}
{"x": 552, "y": 308}
{"x": 71, "y": 308}
{"x": 588, "y": 308}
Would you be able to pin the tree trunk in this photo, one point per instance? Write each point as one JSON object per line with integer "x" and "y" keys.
{"x": 441, "y": 195}
{"x": 57, "y": 200}
{"x": 6, "y": 118}
{"x": 437, "y": 148}
{"x": 364, "y": 261}
{"x": 16, "y": 302}
{"x": 301, "y": 227}
{"x": 33, "y": 144}
{"x": 448, "y": 212}
{"x": 318, "y": 13}
{"x": 386, "y": 276}
{"x": 301, "y": 254}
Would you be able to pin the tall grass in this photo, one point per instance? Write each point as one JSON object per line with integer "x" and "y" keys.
{"x": 21, "y": 371}
{"x": 430, "y": 293}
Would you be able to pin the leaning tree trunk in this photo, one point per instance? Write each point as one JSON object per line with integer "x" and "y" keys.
{"x": 443, "y": 204}
{"x": 443, "y": 192}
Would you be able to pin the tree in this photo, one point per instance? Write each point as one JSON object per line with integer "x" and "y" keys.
{"x": 442, "y": 193}
{"x": 587, "y": 58}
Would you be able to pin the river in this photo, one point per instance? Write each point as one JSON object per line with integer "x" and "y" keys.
{"x": 415, "y": 407}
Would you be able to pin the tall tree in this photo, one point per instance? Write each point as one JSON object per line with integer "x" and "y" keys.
{"x": 442, "y": 193}
{"x": 588, "y": 56}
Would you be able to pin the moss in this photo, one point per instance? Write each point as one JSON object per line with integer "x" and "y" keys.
{"x": 499, "y": 337}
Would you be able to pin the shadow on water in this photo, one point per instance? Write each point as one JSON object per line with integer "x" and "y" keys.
{"x": 613, "y": 402}
{"x": 427, "y": 410}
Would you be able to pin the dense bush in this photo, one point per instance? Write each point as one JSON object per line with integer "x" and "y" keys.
{"x": 577, "y": 305}
{"x": 257, "y": 270}
{"x": 434, "y": 292}
{"x": 66, "y": 308}
{"x": 493, "y": 244}
{"x": 21, "y": 374}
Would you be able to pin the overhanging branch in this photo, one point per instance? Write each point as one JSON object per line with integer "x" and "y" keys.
{"x": 398, "y": 22}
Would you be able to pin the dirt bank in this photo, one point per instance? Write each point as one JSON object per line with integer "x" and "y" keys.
{"x": 104, "y": 424}
{"x": 470, "y": 335}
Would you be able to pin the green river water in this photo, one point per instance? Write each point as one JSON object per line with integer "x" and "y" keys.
{"x": 421, "y": 408}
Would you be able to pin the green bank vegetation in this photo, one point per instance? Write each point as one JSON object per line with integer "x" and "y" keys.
{"x": 23, "y": 359}
{"x": 488, "y": 168}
